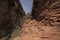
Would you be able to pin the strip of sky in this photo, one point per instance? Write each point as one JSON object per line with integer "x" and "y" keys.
{"x": 27, "y": 5}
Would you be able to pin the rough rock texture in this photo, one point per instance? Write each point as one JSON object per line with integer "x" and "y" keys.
{"x": 10, "y": 13}
{"x": 40, "y": 7}
{"x": 48, "y": 12}
{"x": 34, "y": 30}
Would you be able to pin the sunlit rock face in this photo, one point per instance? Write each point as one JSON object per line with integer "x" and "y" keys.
{"x": 48, "y": 10}
{"x": 10, "y": 12}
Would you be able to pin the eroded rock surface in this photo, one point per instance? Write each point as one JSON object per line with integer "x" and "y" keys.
{"x": 10, "y": 13}
{"x": 45, "y": 27}
{"x": 45, "y": 8}
{"x": 47, "y": 11}
{"x": 34, "y": 30}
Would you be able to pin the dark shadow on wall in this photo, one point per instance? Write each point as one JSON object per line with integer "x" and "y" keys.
{"x": 11, "y": 15}
{"x": 44, "y": 10}
{"x": 39, "y": 6}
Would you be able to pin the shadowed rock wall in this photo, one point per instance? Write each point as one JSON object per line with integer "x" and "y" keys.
{"x": 10, "y": 13}
{"x": 48, "y": 10}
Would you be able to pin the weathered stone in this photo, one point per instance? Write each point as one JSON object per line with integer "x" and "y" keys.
{"x": 10, "y": 13}
{"x": 47, "y": 10}
{"x": 41, "y": 8}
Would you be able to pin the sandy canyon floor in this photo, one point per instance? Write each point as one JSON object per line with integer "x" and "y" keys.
{"x": 34, "y": 30}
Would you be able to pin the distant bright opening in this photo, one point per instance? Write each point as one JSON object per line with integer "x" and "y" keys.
{"x": 27, "y": 5}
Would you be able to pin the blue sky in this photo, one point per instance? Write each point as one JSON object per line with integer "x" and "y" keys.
{"x": 27, "y": 5}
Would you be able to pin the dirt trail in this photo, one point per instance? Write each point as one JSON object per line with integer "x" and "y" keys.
{"x": 33, "y": 30}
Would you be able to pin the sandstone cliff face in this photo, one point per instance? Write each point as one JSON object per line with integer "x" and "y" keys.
{"x": 38, "y": 7}
{"x": 46, "y": 10}
{"x": 10, "y": 13}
